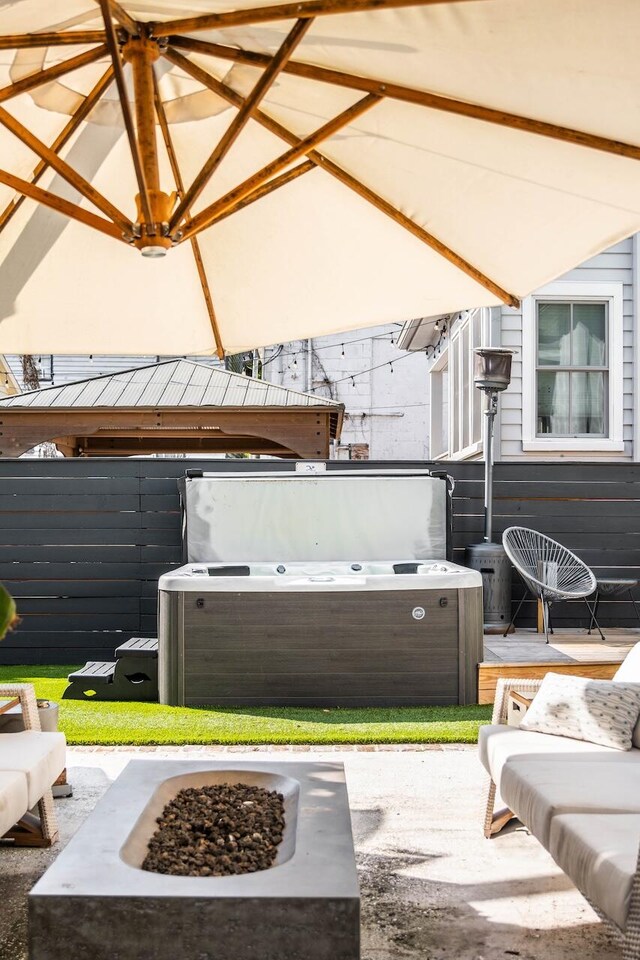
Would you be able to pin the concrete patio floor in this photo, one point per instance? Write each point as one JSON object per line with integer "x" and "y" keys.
{"x": 432, "y": 887}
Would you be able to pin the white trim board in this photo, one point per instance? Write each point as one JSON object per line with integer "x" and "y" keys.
{"x": 574, "y": 290}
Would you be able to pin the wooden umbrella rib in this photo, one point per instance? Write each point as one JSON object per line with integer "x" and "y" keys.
{"x": 207, "y": 80}
{"x": 288, "y": 177}
{"x": 283, "y": 11}
{"x": 60, "y": 205}
{"x": 63, "y": 137}
{"x": 112, "y": 44}
{"x": 273, "y": 67}
{"x": 423, "y": 98}
{"x": 349, "y": 181}
{"x": 51, "y": 73}
{"x": 75, "y": 38}
{"x": 208, "y": 300}
{"x": 229, "y": 200}
{"x": 427, "y": 238}
{"x": 124, "y": 19}
{"x": 66, "y": 172}
{"x": 195, "y": 246}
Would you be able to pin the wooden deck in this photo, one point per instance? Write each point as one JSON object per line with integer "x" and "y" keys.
{"x": 525, "y": 654}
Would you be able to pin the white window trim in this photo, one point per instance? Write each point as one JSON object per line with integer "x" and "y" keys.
{"x": 435, "y": 406}
{"x": 565, "y": 290}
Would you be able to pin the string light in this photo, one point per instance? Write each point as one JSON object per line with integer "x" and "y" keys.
{"x": 431, "y": 351}
{"x": 331, "y": 346}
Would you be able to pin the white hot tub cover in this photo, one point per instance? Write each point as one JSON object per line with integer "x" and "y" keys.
{"x": 328, "y": 516}
{"x": 499, "y": 148}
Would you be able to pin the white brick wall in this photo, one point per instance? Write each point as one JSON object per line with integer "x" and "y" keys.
{"x": 388, "y": 411}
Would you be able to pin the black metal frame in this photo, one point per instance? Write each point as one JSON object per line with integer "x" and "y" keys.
{"x": 595, "y": 609}
{"x": 546, "y": 613}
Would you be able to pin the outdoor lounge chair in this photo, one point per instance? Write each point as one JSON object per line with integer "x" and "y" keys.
{"x": 578, "y": 799}
{"x": 550, "y": 572}
{"x": 30, "y": 763}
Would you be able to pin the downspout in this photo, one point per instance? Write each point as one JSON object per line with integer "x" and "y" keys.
{"x": 308, "y": 377}
{"x": 495, "y": 340}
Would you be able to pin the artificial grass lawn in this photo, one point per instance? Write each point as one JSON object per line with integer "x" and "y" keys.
{"x": 87, "y": 722}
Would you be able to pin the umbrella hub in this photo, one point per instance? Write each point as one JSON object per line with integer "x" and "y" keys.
{"x": 154, "y": 206}
{"x": 153, "y": 239}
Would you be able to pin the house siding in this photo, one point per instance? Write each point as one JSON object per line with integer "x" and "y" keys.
{"x": 614, "y": 265}
{"x": 68, "y": 368}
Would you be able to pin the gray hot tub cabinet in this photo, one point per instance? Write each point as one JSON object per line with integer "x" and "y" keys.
{"x": 95, "y": 903}
{"x": 322, "y": 639}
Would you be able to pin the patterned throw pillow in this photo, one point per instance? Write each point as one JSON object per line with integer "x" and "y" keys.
{"x": 599, "y": 711}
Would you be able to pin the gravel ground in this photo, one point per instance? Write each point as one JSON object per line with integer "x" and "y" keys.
{"x": 432, "y": 887}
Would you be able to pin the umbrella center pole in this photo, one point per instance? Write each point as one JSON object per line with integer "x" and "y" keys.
{"x": 153, "y": 240}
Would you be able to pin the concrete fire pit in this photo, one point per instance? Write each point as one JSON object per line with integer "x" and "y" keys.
{"x": 96, "y": 903}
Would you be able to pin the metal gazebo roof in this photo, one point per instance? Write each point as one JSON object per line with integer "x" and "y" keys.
{"x": 171, "y": 406}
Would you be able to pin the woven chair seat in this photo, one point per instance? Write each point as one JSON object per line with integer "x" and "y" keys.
{"x": 548, "y": 568}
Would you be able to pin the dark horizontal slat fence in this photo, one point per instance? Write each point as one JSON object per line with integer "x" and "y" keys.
{"x": 84, "y": 541}
{"x": 592, "y": 508}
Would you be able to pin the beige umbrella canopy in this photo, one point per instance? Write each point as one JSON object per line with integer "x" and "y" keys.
{"x": 200, "y": 175}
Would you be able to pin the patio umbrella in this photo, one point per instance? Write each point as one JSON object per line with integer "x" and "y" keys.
{"x": 186, "y": 176}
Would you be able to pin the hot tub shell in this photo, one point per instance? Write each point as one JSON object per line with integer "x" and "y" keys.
{"x": 265, "y": 613}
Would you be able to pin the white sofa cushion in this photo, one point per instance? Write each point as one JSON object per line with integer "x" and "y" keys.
{"x": 14, "y": 801}
{"x": 537, "y": 790}
{"x": 629, "y": 672}
{"x": 499, "y": 743}
{"x": 599, "y": 853}
{"x": 40, "y": 756}
{"x": 600, "y": 711}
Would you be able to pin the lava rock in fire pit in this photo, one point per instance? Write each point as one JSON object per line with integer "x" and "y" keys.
{"x": 216, "y": 831}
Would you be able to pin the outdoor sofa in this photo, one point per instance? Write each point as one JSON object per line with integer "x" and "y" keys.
{"x": 580, "y": 800}
{"x": 30, "y": 763}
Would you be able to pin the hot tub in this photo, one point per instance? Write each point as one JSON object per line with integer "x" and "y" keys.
{"x": 320, "y": 633}
{"x": 323, "y": 590}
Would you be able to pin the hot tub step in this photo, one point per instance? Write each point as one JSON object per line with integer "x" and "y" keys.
{"x": 132, "y": 676}
{"x": 138, "y": 647}
{"x": 98, "y": 671}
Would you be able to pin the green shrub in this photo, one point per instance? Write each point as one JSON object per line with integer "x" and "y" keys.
{"x": 8, "y": 614}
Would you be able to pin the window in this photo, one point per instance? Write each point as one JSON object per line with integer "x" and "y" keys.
{"x": 572, "y": 368}
{"x": 456, "y": 406}
{"x": 44, "y": 366}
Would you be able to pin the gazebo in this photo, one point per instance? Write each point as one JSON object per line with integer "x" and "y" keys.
{"x": 175, "y": 406}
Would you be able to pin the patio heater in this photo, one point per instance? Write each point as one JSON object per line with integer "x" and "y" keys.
{"x": 491, "y": 375}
